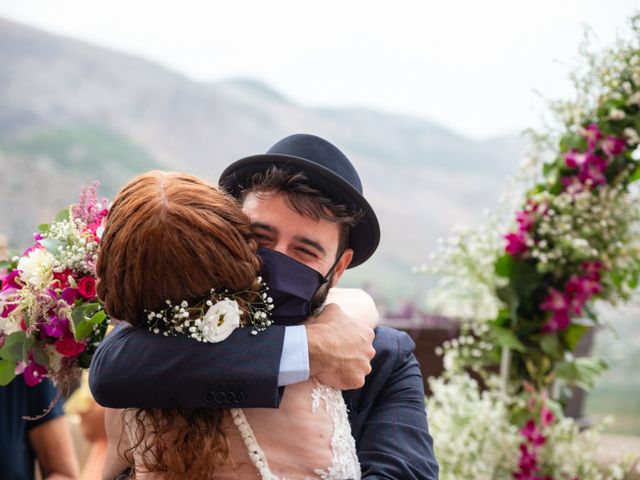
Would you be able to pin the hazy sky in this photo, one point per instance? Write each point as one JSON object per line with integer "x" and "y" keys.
{"x": 470, "y": 65}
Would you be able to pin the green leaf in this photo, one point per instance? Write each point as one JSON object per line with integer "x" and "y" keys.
{"x": 40, "y": 357}
{"x": 84, "y": 318}
{"x": 51, "y": 245}
{"x": 63, "y": 215}
{"x": 573, "y": 334}
{"x": 550, "y": 344}
{"x": 4, "y": 264}
{"x": 7, "y": 372}
{"x": 27, "y": 346}
{"x": 13, "y": 347}
{"x": 506, "y": 338}
{"x": 44, "y": 228}
{"x": 581, "y": 372}
{"x": 504, "y": 265}
{"x": 524, "y": 278}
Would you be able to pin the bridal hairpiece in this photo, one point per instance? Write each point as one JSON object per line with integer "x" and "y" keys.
{"x": 214, "y": 319}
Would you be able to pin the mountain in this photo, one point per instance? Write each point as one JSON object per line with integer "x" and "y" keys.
{"x": 72, "y": 112}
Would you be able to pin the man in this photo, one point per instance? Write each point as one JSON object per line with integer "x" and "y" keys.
{"x": 304, "y": 200}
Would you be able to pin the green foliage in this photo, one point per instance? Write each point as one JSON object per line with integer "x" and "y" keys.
{"x": 506, "y": 338}
{"x": 580, "y": 372}
{"x": 85, "y": 317}
{"x": 13, "y": 348}
{"x": 7, "y": 372}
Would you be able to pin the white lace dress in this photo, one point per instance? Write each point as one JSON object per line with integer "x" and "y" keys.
{"x": 298, "y": 443}
{"x": 307, "y": 438}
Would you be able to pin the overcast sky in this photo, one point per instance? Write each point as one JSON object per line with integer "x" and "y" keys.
{"x": 472, "y": 66}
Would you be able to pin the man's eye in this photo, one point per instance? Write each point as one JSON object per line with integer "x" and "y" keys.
{"x": 307, "y": 252}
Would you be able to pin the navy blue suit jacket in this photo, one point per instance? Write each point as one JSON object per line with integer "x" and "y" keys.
{"x": 134, "y": 368}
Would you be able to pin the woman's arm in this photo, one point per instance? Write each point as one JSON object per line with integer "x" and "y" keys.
{"x": 52, "y": 444}
{"x": 356, "y": 303}
{"x": 117, "y": 443}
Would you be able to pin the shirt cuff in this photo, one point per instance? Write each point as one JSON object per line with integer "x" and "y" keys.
{"x": 294, "y": 363}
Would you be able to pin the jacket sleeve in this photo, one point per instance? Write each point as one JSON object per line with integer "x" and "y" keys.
{"x": 395, "y": 442}
{"x": 135, "y": 368}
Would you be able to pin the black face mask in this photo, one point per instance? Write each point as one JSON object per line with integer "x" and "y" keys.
{"x": 292, "y": 285}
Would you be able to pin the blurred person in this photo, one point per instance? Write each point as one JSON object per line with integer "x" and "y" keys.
{"x": 92, "y": 426}
{"x": 46, "y": 439}
{"x": 301, "y": 182}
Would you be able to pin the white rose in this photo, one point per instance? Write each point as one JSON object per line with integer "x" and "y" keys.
{"x": 220, "y": 320}
{"x": 37, "y": 267}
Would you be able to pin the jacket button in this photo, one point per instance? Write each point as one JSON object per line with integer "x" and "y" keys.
{"x": 240, "y": 397}
{"x": 210, "y": 397}
{"x": 221, "y": 398}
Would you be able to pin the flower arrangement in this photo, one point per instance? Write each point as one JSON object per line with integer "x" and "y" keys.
{"x": 214, "y": 319}
{"x": 476, "y": 437}
{"x": 575, "y": 240}
{"x": 50, "y": 319}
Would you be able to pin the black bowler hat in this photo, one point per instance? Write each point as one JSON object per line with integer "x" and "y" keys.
{"x": 327, "y": 169}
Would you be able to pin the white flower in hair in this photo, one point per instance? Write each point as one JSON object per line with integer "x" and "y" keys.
{"x": 220, "y": 321}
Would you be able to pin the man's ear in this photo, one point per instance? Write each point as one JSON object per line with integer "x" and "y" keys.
{"x": 341, "y": 266}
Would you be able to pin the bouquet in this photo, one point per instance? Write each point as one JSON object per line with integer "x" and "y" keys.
{"x": 50, "y": 318}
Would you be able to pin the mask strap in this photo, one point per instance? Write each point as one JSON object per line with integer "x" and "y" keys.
{"x": 325, "y": 279}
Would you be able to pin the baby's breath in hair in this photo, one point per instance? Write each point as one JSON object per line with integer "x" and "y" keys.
{"x": 213, "y": 319}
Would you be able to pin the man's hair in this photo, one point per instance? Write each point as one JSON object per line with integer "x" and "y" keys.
{"x": 305, "y": 199}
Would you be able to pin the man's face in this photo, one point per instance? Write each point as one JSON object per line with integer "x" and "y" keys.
{"x": 278, "y": 227}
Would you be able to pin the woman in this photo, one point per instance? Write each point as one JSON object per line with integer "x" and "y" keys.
{"x": 174, "y": 250}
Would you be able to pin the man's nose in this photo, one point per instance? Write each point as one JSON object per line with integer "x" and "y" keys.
{"x": 281, "y": 247}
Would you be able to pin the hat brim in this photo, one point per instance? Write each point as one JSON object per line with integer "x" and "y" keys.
{"x": 364, "y": 237}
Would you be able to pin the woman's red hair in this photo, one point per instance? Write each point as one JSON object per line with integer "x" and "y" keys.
{"x": 172, "y": 236}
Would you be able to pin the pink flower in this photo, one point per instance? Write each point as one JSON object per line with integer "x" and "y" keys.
{"x": 36, "y": 246}
{"x": 11, "y": 280}
{"x": 555, "y": 301}
{"x": 528, "y": 462}
{"x": 87, "y": 287}
{"x": 592, "y": 135}
{"x": 594, "y": 170}
{"x": 70, "y": 295}
{"x": 546, "y": 417}
{"x": 532, "y": 434}
{"x": 8, "y": 310}
{"x": 67, "y": 346}
{"x": 581, "y": 289}
{"x": 20, "y": 367}
{"x": 525, "y": 220}
{"x": 593, "y": 268}
{"x": 56, "y": 327}
{"x": 516, "y": 243}
{"x": 575, "y": 159}
{"x": 558, "y": 303}
{"x": 613, "y": 146}
{"x": 559, "y": 320}
{"x": 33, "y": 373}
{"x": 572, "y": 184}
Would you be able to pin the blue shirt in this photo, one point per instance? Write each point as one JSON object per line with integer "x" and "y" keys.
{"x": 16, "y": 401}
{"x": 294, "y": 362}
